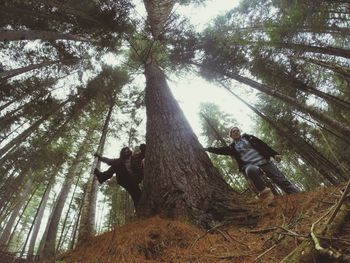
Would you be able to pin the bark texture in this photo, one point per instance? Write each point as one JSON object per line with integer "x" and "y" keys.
{"x": 158, "y": 12}
{"x": 180, "y": 180}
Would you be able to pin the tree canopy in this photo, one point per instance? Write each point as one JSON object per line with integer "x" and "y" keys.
{"x": 71, "y": 84}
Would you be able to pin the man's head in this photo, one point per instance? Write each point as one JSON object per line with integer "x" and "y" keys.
{"x": 142, "y": 148}
{"x": 125, "y": 153}
{"x": 235, "y": 133}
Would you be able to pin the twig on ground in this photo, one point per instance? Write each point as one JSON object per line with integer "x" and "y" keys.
{"x": 263, "y": 231}
{"x": 228, "y": 237}
{"x": 265, "y": 252}
{"x": 207, "y": 232}
{"x": 231, "y": 256}
{"x": 332, "y": 253}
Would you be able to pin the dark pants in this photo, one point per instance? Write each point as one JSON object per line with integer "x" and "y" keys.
{"x": 126, "y": 180}
{"x": 255, "y": 174}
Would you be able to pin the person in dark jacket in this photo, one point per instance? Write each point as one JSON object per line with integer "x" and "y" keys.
{"x": 128, "y": 169}
{"x": 254, "y": 156}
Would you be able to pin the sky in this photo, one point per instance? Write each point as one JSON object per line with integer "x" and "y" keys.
{"x": 191, "y": 90}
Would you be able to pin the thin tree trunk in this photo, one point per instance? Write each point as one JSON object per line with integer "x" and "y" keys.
{"x": 76, "y": 225}
{"x": 326, "y": 168}
{"x": 21, "y": 216}
{"x": 11, "y": 11}
{"x": 7, "y": 230}
{"x": 343, "y": 71}
{"x": 43, "y": 238}
{"x": 49, "y": 247}
{"x": 39, "y": 215}
{"x": 312, "y": 111}
{"x": 223, "y": 143}
{"x": 18, "y": 71}
{"x": 9, "y": 189}
{"x": 289, "y": 78}
{"x": 302, "y": 48}
{"x": 6, "y": 104}
{"x": 179, "y": 178}
{"x": 69, "y": 210}
{"x": 18, "y": 35}
{"x": 26, "y": 133}
{"x": 87, "y": 221}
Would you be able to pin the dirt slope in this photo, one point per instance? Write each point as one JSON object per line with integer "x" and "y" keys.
{"x": 281, "y": 228}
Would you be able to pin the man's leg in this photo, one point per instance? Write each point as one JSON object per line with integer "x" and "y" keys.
{"x": 254, "y": 174}
{"x": 133, "y": 189}
{"x": 278, "y": 178}
{"x": 104, "y": 176}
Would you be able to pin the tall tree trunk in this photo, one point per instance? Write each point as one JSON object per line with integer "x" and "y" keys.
{"x": 26, "y": 133}
{"x": 16, "y": 35}
{"x": 49, "y": 247}
{"x": 14, "y": 230}
{"x": 223, "y": 143}
{"x": 302, "y": 48}
{"x": 9, "y": 190}
{"x": 320, "y": 163}
{"x": 7, "y": 230}
{"x": 158, "y": 12}
{"x": 288, "y": 78}
{"x": 180, "y": 180}
{"x": 39, "y": 215}
{"x": 13, "y": 11}
{"x": 8, "y": 103}
{"x": 341, "y": 70}
{"x": 312, "y": 111}
{"x": 76, "y": 225}
{"x": 18, "y": 71}
{"x": 87, "y": 220}
{"x": 69, "y": 210}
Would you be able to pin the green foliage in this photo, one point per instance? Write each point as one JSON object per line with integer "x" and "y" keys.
{"x": 271, "y": 42}
{"x": 215, "y": 127}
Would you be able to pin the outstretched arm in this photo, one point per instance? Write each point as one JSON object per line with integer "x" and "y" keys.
{"x": 226, "y": 150}
{"x": 105, "y": 159}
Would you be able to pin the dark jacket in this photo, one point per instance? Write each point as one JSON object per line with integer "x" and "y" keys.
{"x": 118, "y": 165}
{"x": 265, "y": 150}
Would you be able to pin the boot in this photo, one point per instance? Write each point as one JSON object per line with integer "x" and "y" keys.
{"x": 99, "y": 176}
{"x": 267, "y": 196}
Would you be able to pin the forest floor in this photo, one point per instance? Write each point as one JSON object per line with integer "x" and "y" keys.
{"x": 280, "y": 230}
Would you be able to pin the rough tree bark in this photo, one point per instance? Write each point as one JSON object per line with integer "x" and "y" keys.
{"x": 180, "y": 180}
{"x": 87, "y": 220}
{"x": 158, "y": 12}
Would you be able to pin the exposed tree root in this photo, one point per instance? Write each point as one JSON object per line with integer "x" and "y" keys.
{"x": 312, "y": 249}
